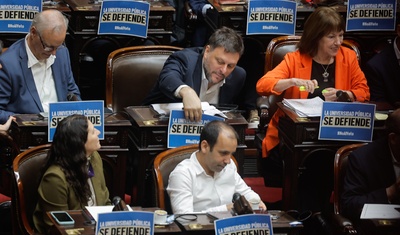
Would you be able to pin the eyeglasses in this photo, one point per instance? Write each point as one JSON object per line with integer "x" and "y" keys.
{"x": 48, "y": 48}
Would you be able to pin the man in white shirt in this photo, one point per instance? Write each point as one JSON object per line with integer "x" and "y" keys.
{"x": 207, "y": 180}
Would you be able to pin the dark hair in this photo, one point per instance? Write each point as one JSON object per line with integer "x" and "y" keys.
{"x": 68, "y": 151}
{"x": 321, "y": 22}
{"x": 211, "y": 132}
{"x": 392, "y": 123}
{"x": 227, "y": 38}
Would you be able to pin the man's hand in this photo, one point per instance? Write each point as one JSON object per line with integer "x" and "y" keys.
{"x": 6, "y": 125}
{"x": 191, "y": 104}
{"x": 393, "y": 192}
{"x": 229, "y": 207}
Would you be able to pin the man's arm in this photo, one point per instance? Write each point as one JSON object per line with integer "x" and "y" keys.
{"x": 375, "y": 83}
{"x": 356, "y": 189}
{"x": 191, "y": 104}
{"x": 180, "y": 192}
{"x": 72, "y": 87}
{"x": 178, "y": 71}
{"x": 5, "y": 93}
{"x": 243, "y": 189}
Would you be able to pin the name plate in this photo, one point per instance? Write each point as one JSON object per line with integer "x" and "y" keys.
{"x": 184, "y": 132}
{"x": 347, "y": 121}
{"x": 244, "y": 224}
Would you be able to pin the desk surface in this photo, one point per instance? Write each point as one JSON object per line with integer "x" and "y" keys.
{"x": 29, "y": 120}
{"x": 207, "y": 225}
{"x": 90, "y": 5}
{"x": 144, "y": 117}
{"x": 83, "y": 227}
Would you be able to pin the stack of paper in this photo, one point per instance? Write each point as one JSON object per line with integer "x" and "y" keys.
{"x": 305, "y": 107}
{"x": 165, "y": 109}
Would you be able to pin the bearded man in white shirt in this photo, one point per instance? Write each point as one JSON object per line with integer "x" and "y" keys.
{"x": 207, "y": 180}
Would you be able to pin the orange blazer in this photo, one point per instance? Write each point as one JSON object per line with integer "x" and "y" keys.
{"x": 348, "y": 76}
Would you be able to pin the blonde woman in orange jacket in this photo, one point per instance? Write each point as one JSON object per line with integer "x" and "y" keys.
{"x": 319, "y": 64}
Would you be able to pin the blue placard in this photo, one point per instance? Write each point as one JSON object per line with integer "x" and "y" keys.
{"x": 371, "y": 15}
{"x": 271, "y": 17}
{"x": 347, "y": 121}
{"x": 184, "y": 132}
{"x": 244, "y": 224}
{"x": 93, "y": 110}
{"x": 16, "y": 15}
{"x": 124, "y": 18}
{"x": 125, "y": 222}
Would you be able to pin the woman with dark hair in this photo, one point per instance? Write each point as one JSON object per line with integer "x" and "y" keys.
{"x": 73, "y": 176}
{"x": 319, "y": 67}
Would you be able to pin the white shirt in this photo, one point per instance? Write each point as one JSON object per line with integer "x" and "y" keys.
{"x": 43, "y": 76}
{"x": 210, "y": 95}
{"x": 191, "y": 190}
{"x": 206, "y": 95}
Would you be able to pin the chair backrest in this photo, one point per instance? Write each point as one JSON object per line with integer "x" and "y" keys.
{"x": 132, "y": 72}
{"x": 339, "y": 169}
{"x": 278, "y": 47}
{"x": 164, "y": 164}
{"x": 27, "y": 169}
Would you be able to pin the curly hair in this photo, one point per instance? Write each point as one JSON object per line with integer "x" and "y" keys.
{"x": 68, "y": 152}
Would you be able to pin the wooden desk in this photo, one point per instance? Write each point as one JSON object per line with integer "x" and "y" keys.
{"x": 149, "y": 138}
{"x": 280, "y": 225}
{"x": 380, "y": 226}
{"x": 27, "y": 131}
{"x": 298, "y": 139}
{"x": 81, "y": 223}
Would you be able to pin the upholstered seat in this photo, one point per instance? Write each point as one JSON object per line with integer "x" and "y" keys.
{"x": 27, "y": 169}
{"x": 132, "y": 72}
{"x": 341, "y": 224}
{"x": 164, "y": 164}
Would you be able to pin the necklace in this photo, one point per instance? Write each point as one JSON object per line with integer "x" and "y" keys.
{"x": 325, "y": 74}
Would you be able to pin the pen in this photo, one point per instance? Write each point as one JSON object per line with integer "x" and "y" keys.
{"x": 303, "y": 88}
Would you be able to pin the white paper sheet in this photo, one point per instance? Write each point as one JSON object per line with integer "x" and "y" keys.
{"x": 380, "y": 211}
{"x": 96, "y": 210}
{"x": 165, "y": 109}
{"x": 305, "y": 107}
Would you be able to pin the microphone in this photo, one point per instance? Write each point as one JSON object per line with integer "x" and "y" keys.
{"x": 119, "y": 204}
{"x": 240, "y": 205}
{"x": 342, "y": 96}
{"x": 236, "y": 196}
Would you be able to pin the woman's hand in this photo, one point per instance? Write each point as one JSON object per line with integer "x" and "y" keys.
{"x": 329, "y": 94}
{"x": 305, "y": 85}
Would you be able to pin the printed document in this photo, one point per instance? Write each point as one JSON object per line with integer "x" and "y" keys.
{"x": 305, "y": 107}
